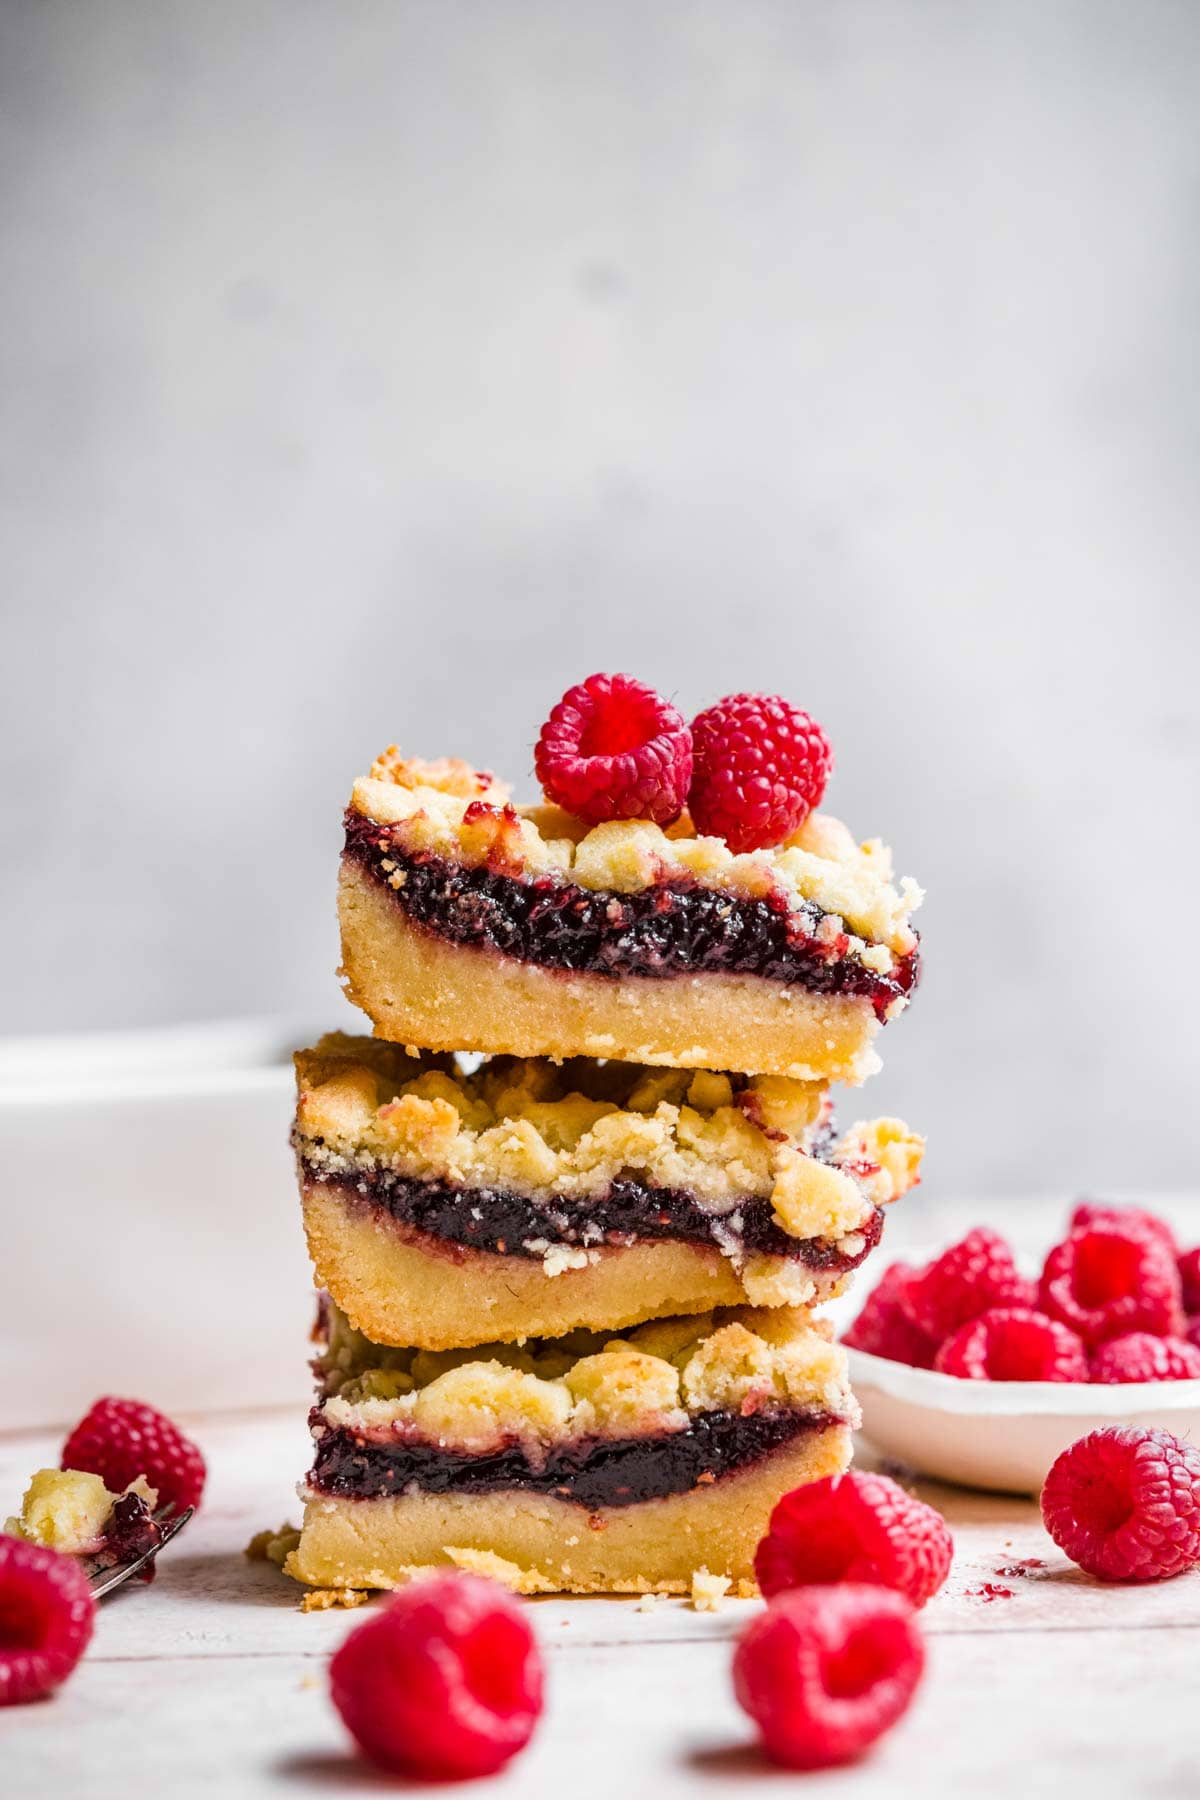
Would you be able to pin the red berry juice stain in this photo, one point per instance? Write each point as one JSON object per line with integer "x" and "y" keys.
{"x": 990, "y": 1590}
{"x": 1027, "y": 1566}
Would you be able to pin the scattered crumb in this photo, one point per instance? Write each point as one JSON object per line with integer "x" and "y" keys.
{"x": 310, "y": 1681}
{"x": 273, "y": 1546}
{"x": 708, "y": 1591}
{"x": 648, "y": 1603}
{"x": 321, "y": 1599}
{"x": 746, "y": 1590}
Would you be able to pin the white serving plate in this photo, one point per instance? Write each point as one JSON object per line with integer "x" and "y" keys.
{"x": 151, "y": 1228}
{"x": 1002, "y": 1435}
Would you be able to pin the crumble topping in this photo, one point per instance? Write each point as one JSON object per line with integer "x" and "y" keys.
{"x": 885, "y": 1155}
{"x": 542, "y": 1393}
{"x": 568, "y": 1132}
{"x": 447, "y": 809}
{"x": 445, "y": 774}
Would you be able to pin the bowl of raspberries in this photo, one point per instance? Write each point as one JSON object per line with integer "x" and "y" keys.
{"x": 976, "y": 1372}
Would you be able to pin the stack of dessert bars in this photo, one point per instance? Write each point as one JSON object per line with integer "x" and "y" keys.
{"x": 572, "y": 1206}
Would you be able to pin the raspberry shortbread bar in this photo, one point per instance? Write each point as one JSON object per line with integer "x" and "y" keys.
{"x": 469, "y": 923}
{"x": 577, "y": 1465}
{"x": 525, "y": 1199}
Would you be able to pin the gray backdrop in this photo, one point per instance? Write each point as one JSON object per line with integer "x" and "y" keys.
{"x": 372, "y": 370}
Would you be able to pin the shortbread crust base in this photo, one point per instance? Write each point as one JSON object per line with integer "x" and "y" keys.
{"x": 417, "y": 988}
{"x": 556, "y": 1545}
{"x": 402, "y": 1287}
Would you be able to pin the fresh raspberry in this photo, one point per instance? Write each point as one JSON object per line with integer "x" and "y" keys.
{"x": 855, "y": 1527}
{"x": 614, "y": 749}
{"x": 883, "y": 1328}
{"x": 444, "y": 1683}
{"x": 1110, "y": 1279}
{"x": 1013, "y": 1343}
{"x": 1189, "y": 1276}
{"x": 1093, "y": 1212}
{"x": 825, "y": 1671}
{"x": 761, "y": 768}
{"x": 1141, "y": 1357}
{"x": 969, "y": 1278}
{"x": 46, "y": 1617}
{"x": 1193, "y": 1331}
{"x": 122, "y": 1439}
{"x": 1124, "y": 1503}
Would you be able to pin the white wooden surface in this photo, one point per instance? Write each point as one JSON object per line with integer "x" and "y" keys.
{"x": 210, "y": 1682}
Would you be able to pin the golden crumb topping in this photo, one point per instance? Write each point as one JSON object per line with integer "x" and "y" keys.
{"x": 445, "y": 775}
{"x": 547, "y": 1391}
{"x": 450, "y": 810}
{"x": 567, "y": 1132}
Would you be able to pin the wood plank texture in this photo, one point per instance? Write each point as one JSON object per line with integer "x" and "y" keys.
{"x": 212, "y": 1675}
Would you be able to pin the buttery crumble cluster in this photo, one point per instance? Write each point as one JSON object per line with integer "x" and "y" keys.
{"x": 273, "y": 1546}
{"x": 649, "y": 1381}
{"x": 448, "y": 809}
{"x": 570, "y": 1131}
{"x": 446, "y": 774}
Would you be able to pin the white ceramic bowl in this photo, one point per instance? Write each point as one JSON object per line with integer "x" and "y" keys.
{"x": 1002, "y": 1435}
{"x": 152, "y": 1234}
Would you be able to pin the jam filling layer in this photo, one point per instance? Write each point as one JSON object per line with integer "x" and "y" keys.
{"x": 675, "y": 928}
{"x": 594, "y": 1472}
{"x": 507, "y": 1224}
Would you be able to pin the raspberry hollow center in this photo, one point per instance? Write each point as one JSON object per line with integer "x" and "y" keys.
{"x": 22, "y": 1621}
{"x": 1107, "y": 1502}
{"x": 493, "y": 1661}
{"x": 613, "y": 729}
{"x": 834, "y": 1551}
{"x": 868, "y": 1656}
{"x": 1106, "y": 1269}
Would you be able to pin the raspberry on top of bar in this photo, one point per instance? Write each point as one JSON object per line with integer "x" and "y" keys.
{"x": 678, "y": 899}
{"x": 836, "y": 896}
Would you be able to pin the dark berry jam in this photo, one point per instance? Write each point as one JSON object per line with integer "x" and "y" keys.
{"x": 674, "y": 928}
{"x": 591, "y": 1471}
{"x": 129, "y": 1532}
{"x": 502, "y": 1222}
